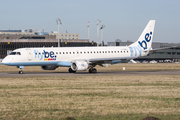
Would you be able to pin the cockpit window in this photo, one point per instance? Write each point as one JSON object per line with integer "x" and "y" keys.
{"x": 18, "y": 53}
{"x": 12, "y": 53}
{"x": 15, "y": 53}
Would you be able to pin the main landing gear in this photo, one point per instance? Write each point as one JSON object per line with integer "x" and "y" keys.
{"x": 20, "y": 69}
{"x": 92, "y": 70}
{"x": 71, "y": 71}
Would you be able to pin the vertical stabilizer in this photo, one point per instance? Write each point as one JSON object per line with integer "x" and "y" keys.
{"x": 145, "y": 40}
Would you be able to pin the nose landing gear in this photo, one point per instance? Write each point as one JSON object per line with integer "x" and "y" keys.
{"x": 20, "y": 69}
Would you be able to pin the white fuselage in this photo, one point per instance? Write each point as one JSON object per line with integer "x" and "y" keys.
{"x": 63, "y": 56}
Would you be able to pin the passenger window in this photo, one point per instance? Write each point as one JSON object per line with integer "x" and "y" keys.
{"x": 73, "y": 52}
{"x": 66, "y": 52}
{"x": 59, "y": 52}
{"x": 69, "y": 52}
{"x": 56, "y": 52}
{"x": 111, "y": 51}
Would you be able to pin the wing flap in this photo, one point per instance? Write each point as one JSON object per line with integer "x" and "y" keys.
{"x": 103, "y": 60}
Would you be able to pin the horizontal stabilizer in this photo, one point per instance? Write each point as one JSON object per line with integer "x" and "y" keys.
{"x": 157, "y": 49}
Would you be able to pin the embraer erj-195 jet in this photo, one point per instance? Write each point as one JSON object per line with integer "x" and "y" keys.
{"x": 81, "y": 58}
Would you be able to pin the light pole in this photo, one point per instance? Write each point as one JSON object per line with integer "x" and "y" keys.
{"x": 98, "y": 21}
{"x": 58, "y": 23}
{"x": 88, "y": 29}
{"x": 102, "y": 27}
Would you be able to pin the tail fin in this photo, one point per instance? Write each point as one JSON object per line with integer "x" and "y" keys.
{"x": 145, "y": 40}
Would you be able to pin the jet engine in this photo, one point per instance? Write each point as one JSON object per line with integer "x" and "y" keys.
{"x": 79, "y": 65}
{"x": 49, "y": 67}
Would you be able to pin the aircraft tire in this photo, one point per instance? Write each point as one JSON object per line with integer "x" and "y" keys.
{"x": 92, "y": 70}
{"x": 20, "y": 72}
{"x": 89, "y": 70}
{"x": 71, "y": 71}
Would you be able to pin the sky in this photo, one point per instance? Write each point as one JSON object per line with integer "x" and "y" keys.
{"x": 123, "y": 19}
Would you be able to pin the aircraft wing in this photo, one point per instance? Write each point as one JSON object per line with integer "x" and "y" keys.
{"x": 100, "y": 61}
{"x": 106, "y": 59}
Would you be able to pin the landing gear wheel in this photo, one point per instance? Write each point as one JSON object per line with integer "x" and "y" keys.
{"x": 92, "y": 70}
{"x": 71, "y": 71}
{"x": 20, "y": 72}
{"x": 20, "y": 69}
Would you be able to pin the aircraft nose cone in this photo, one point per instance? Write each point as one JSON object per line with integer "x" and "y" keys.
{"x": 6, "y": 61}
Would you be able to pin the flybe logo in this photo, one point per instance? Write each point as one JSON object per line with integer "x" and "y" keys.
{"x": 135, "y": 51}
{"x": 47, "y": 56}
{"x": 143, "y": 44}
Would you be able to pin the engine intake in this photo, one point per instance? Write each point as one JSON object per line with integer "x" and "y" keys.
{"x": 79, "y": 65}
{"x": 49, "y": 67}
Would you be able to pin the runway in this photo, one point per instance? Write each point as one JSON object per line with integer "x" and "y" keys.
{"x": 35, "y": 74}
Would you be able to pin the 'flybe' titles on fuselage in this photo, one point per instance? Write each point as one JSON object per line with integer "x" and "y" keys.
{"x": 48, "y": 56}
{"x": 143, "y": 44}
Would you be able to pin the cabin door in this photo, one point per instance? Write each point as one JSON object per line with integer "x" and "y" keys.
{"x": 29, "y": 53}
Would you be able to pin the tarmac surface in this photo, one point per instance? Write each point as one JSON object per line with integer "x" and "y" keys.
{"x": 35, "y": 74}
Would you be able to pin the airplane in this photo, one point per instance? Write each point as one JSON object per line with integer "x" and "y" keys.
{"x": 82, "y": 58}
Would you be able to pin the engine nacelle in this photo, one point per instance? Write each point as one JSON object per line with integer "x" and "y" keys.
{"x": 79, "y": 65}
{"x": 49, "y": 67}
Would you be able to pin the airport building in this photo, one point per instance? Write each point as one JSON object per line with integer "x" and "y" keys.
{"x": 66, "y": 35}
{"x": 166, "y": 54}
{"x": 29, "y": 33}
{"x": 14, "y": 39}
